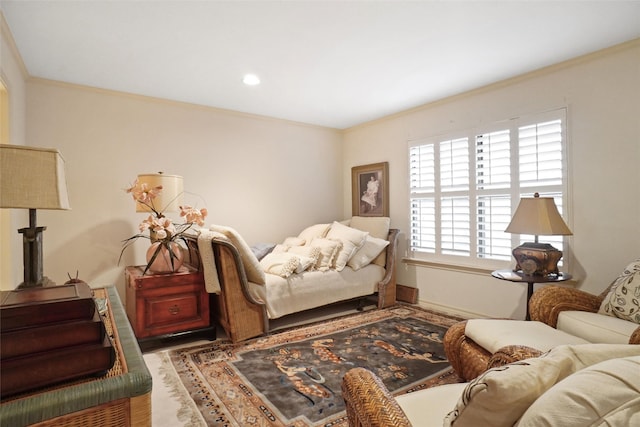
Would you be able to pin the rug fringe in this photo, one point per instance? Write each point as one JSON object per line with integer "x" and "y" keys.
{"x": 188, "y": 412}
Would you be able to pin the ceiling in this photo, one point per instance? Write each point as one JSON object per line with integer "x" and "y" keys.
{"x": 329, "y": 63}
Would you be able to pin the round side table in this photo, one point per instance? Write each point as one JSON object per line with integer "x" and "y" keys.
{"x": 529, "y": 279}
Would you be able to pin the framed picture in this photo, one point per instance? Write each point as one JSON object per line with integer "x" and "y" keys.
{"x": 370, "y": 189}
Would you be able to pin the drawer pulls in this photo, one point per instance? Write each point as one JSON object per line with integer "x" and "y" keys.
{"x": 174, "y": 310}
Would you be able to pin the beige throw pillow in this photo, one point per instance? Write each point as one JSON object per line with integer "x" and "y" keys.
{"x": 352, "y": 240}
{"x": 314, "y": 231}
{"x": 623, "y": 299}
{"x": 368, "y": 252}
{"x": 328, "y": 251}
{"x": 282, "y": 264}
{"x": 604, "y": 394}
{"x": 500, "y": 396}
{"x": 377, "y": 227}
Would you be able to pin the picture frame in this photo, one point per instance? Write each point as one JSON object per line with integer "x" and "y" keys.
{"x": 370, "y": 189}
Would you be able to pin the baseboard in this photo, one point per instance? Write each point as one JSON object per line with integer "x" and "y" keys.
{"x": 453, "y": 311}
{"x": 406, "y": 294}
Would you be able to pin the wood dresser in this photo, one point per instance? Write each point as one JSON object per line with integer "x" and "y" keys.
{"x": 167, "y": 305}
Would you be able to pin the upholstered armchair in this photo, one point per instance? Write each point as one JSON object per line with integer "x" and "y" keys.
{"x": 611, "y": 317}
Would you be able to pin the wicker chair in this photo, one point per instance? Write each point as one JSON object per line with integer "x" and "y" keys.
{"x": 547, "y": 303}
{"x": 370, "y": 404}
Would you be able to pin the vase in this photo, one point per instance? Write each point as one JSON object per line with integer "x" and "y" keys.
{"x": 162, "y": 263}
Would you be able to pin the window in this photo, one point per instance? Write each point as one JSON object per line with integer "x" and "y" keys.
{"x": 464, "y": 187}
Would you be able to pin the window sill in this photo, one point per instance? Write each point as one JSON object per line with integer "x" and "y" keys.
{"x": 448, "y": 266}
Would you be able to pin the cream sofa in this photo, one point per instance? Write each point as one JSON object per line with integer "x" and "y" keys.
{"x": 612, "y": 317}
{"x": 323, "y": 264}
{"x": 570, "y": 386}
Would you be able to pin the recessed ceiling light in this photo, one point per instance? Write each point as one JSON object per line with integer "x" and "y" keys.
{"x": 251, "y": 80}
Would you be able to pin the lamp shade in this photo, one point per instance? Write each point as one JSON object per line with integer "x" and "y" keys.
{"x": 32, "y": 178}
{"x": 538, "y": 216}
{"x": 170, "y": 198}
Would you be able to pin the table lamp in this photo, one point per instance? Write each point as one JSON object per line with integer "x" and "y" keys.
{"x": 169, "y": 199}
{"x": 537, "y": 215}
{"x": 32, "y": 178}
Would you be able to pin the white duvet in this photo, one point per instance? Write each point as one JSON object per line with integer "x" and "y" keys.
{"x": 312, "y": 289}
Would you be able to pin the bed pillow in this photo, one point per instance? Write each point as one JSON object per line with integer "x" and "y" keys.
{"x": 368, "y": 252}
{"x": 252, "y": 267}
{"x": 311, "y": 232}
{"x": 352, "y": 239}
{"x": 604, "y": 394}
{"x": 328, "y": 251}
{"x": 623, "y": 300}
{"x": 500, "y": 396}
{"x": 376, "y": 226}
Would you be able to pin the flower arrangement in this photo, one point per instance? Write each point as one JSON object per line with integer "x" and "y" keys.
{"x": 163, "y": 233}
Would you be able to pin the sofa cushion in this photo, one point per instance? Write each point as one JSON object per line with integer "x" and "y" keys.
{"x": 428, "y": 407}
{"x": 371, "y": 248}
{"x": 574, "y": 401}
{"x": 352, "y": 239}
{"x": 252, "y": 267}
{"x": 493, "y": 334}
{"x": 595, "y": 327}
{"x": 500, "y": 396}
{"x": 623, "y": 299}
{"x": 376, "y": 226}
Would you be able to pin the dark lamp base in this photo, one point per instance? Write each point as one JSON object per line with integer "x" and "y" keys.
{"x": 537, "y": 259}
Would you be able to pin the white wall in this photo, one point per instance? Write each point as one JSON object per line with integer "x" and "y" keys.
{"x": 13, "y": 76}
{"x": 267, "y": 178}
{"x": 602, "y": 94}
{"x": 270, "y": 178}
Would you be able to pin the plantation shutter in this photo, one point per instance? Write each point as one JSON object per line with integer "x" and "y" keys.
{"x": 464, "y": 189}
{"x": 493, "y": 186}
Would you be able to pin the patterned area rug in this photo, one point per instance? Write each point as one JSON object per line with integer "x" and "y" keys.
{"x": 293, "y": 378}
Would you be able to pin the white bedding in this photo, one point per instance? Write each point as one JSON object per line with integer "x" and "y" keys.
{"x": 312, "y": 289}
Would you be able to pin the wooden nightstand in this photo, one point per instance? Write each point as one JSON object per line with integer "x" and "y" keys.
{"x": 167, "y": 305}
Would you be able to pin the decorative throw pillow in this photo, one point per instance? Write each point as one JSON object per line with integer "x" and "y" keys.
{"x": 252, "y": 267}
{"x": 500, "y": 396}
{"x": 352, "y": 240}
{"x": 623, "y": 299}
{"x": 376, "y": 226}
{"x": 279, "y": 248}
{"x": 305, "y": 263}
{"x": 294, "y": 241}
{"x": 310, "y": 252}
{"x": 328, "y": 251}
{"x": 311, "y": 232}
{"x": 282, "y": 264}
{"x": 368, "y": 252}
{"x": 604, "y": 394}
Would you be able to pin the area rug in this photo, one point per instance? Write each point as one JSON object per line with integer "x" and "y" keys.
{"x": 293, "y": 378}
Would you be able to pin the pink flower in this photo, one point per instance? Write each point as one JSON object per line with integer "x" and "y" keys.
{"x": 193, "y": 215}
{"x": 142, "y": 193}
